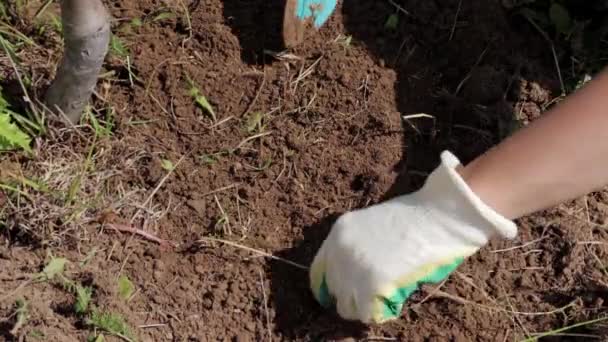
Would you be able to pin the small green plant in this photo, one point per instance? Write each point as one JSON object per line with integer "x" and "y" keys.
{"x": 55, "y": 267}
{"x": 83, "y": 298}
{"x": 11, "y": 136}
{"x": 102, "y": 128}
{"x": 37, "y": 334}
{"x": 255, "y": 122}
{"x": 96, "y": 338}
{"x": 111, "y": 323}
{"x": 345, "y": 41}
{"x": 199, "y": 98}
{"x": 579, "y": 30}
{"x": 212, "y": 158}
{"x": 118, "y": 48}
{"x": 55, "y": 270}
{"x": 125, "y": 287}
{"x": 163, "y": 16}
{"x": 136, "y": 22}
{"x": 392, "y": 22}
{"x": 167, "y": 165}
{"x": 22, "y": 314}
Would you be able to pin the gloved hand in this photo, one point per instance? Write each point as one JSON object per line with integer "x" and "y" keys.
{"x": 375, "y": 258}
{"x": 300, "y": 14}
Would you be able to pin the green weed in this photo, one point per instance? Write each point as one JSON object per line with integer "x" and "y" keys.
{"x": 22, "y": 314}
{"x": 125, "y": 287}
{"x": 118, "y": 48}
{"x": 55, "y": 267}
{"x": 83, "y": 298}
{"x": 578, "y": 28}
{"x": 163, "y": 16}
{"x": 111, "y": 323}
{"x": 200, "y": 99}
{"x": 564, "y": 329}
{"x": 255, "y": 122}
{"x": 167, "y": 165}
{"x": 212, "y": 158}
{"x": 392, "y": 22}
{"x": 102, "y": 128}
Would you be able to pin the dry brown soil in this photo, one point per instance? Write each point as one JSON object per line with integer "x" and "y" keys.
{"x": 331, "y": 139}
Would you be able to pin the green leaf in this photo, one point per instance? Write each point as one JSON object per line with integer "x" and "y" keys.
{"x": 199, "y": 99}
{"x": 392, "y": 22}
{"x": 55, "y": 267}
{"x": 163, "y": 16}
{"x": 560, "y": 17}
{"x": 208, "y": 159}
{"x": 254, "y": 122}
{"x": 167, "y": 164}
{"x": 83, "y": 298}
{"x": 136, "y": 22}
{"x": 118, "y": 48}
{"x": 111, "y": 323}
{"x": 125, "y": 287}
{"x": 98, "y": 338}
{"x": 10, "y": 135}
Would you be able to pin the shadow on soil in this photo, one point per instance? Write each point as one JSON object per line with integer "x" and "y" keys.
{"x": 465, "y": 79}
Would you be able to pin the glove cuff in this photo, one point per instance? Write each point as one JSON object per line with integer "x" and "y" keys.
{"x": 447, "y": 190}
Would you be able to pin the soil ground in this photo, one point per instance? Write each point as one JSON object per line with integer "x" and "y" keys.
{"x": 298, "y": 138}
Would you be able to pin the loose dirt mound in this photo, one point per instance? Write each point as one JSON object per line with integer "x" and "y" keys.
{"x": 297, "y": 139}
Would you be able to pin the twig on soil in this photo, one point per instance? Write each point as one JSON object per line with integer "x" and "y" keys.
{"x": 399, "y": 8}
{"x": 257, "y": 95}
{"x": 432, "y": 292}
{"x": 552, "y": 46}
{"x": 160, "y": 184}
{"x": 441, "y": 294}
{"x": 253, "y": 250}
{"x": 557, "y": 331}
{"x": 518, "y": 247}
{"x": 466, "y": 78}
{"x": 147, "y": 326}
{"x": 225, "y": 219}
{"x": 26, "y": 95}
{"x": 253, "y": 137}
{"x": 17, "y": 289}
{"x": 228, "y": 187}
{"x": 265, "y": 305}
{"x": 136, "y": 231}
{"x": 304, "y": 73}
{"x": 455, "y": 20}
{"x": 515, "y": 318}
{"x": 217, "y": 124}
{"x": 380, "y": 338}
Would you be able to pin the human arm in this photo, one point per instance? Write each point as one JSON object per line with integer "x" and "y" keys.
{"x": 375, "y": 258}
{"x": 560, "y": 156}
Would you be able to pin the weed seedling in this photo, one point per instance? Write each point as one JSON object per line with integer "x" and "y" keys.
{"x": 255, "y": 123}
{"x": 167, "y": 165}
{"x": 125, "y": 287}
{"x": 118, "y": 48}
{"x": 111, "y": 323}
{"x": 200, "y": 99}
{"x": 392, "y": 22}
{"x": 11, "y": 136}
{"x": 22, "y": 314}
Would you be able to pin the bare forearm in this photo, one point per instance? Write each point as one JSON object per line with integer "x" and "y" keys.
{"x": 561, "y": 156}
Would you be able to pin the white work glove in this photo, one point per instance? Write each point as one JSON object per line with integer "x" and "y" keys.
{"x": 375, "y": 258}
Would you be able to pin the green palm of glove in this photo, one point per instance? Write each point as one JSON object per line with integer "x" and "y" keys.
{"x": 388, "y": 308}
{"x": 375, "y": 258}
